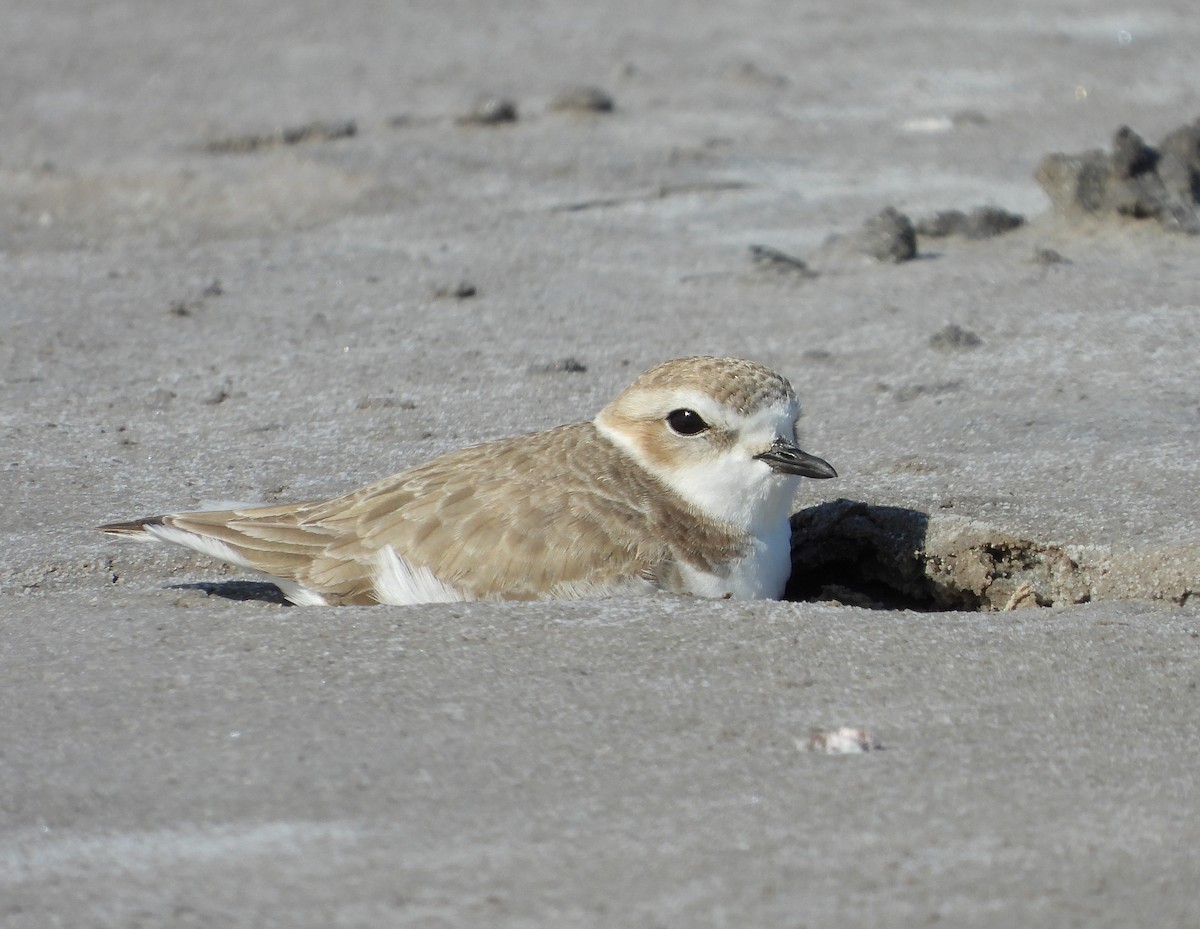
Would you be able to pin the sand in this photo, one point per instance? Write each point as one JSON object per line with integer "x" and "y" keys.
{"x": 263, "y": 252}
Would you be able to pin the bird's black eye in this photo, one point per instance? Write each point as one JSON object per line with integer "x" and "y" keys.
{"x": 686, "y": 422}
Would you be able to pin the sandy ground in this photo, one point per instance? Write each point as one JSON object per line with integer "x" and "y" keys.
{"x": 198, "y": 305}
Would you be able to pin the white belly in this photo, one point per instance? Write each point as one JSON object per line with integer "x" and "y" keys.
{"x": 761, "y": 575}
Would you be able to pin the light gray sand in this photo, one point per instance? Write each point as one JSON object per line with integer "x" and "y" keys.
{"x": 182, "y": 324}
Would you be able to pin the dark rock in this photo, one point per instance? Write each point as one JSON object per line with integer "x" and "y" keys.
{"x": 1132, "y": 180}
{"x": 888, "y": 236}
{"x": 460, "y": 291}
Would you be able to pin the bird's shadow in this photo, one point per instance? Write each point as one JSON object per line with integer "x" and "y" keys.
{"x": 239, "y": 590}
{"x": 866, "y": 555}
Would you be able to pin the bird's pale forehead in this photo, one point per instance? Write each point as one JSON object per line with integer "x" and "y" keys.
{"x": 740, "y": 385}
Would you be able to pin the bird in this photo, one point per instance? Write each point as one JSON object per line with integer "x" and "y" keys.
{"x": 683, "y": 483}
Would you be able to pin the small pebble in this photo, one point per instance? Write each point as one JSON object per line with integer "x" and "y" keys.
{"x": 569, "y": 365}
{"x": 489, "y": 111}
{"x": 582, "y": 100}
{"x": 845, "y": 740}
{"x": 953, "y": 338}
{"x": 460, "y": 291}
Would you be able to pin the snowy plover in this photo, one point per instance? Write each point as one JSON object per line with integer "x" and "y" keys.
{"x": 682, "y": 483}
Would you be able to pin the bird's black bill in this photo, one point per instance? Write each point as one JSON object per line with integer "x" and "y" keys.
{"x": 784, "y": 457}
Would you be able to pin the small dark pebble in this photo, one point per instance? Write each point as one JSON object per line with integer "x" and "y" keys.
{"x": 460, "y": 291}
{"x": 320, "y": 132}
{"x": 582, "y": 100}
{"x": 569, "y": 365}
{"x": 953, "y": 338}
{"x": 489, "y": 111}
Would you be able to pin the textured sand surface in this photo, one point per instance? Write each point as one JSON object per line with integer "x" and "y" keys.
{"x": 255, "y": 252}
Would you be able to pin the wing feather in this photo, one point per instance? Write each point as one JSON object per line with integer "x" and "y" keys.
{"x": 548, "y": 514}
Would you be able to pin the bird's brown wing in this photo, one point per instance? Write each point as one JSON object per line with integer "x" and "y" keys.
{"x": 558, "y": 513}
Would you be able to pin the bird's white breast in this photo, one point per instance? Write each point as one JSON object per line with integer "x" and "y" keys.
{"x": 761, "y": 574}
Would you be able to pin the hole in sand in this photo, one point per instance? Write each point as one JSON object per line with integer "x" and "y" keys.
{"x": 886, "y": 557}
{"x": 861, "y": 555}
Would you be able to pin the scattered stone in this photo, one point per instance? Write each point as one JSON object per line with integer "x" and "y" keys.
{"x": 584, "y": 99}
{"x": 569, "y": 365}
{"x": 1179, "y": 164}
{"x": 317, "y": 131}
{"x": 1132, "y": 180}
{"x": 983, "y": 222}
{"x": 888, "y": 237}
{"x": 461, "y": 291}
{"x": 954, "y": 338}
{"x": 845, "y": 740}
{"x": 772, "y": 259}
{"x": 489, "y": 110}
